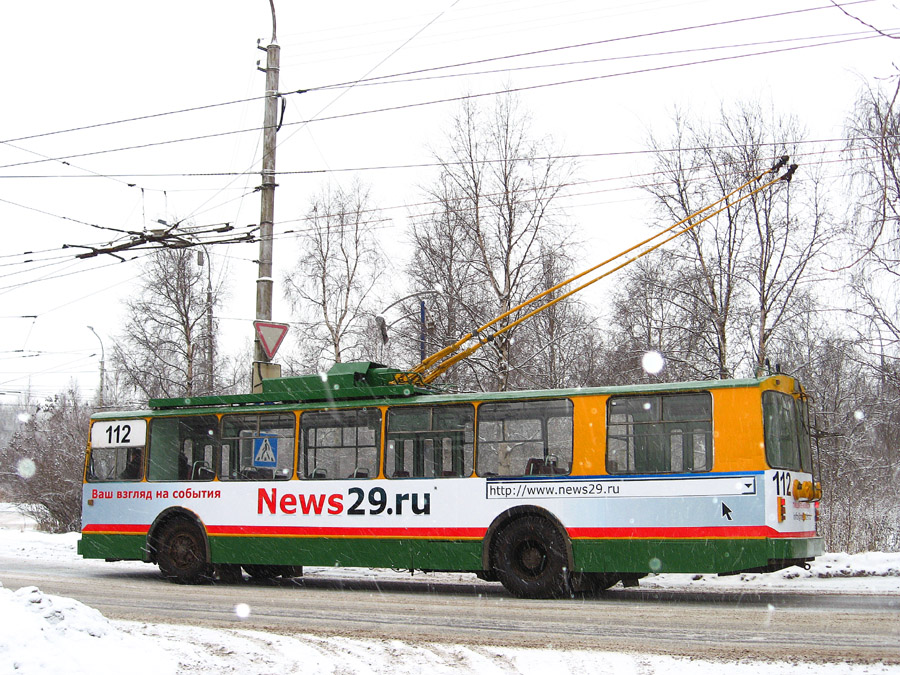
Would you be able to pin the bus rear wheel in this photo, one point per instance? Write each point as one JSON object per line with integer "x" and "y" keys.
{"x": 182, "y": 553}
{"x": 273, "y": 571}
{"x": 530, "y": 559}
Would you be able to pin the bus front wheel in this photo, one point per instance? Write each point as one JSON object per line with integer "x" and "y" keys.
{"x": 530, "y": 559}
{"x": 182, "y": 553}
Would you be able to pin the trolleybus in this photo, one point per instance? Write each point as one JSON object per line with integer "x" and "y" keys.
{"x": 545, "y": 491}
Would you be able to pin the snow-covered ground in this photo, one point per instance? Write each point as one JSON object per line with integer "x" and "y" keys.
{"x": 46, "y": 634}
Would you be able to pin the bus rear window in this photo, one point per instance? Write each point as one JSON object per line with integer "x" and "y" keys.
{"x": 786, "y": 434}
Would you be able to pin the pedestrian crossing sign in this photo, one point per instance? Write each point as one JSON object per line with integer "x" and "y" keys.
{"x": 265, "y": 452}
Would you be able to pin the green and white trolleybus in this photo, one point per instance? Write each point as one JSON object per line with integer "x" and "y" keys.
{"x": 546, "y": 491}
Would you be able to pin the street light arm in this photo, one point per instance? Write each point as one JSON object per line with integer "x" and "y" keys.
{"x": 102, "y": 351}
{"x": 411, "y": 295}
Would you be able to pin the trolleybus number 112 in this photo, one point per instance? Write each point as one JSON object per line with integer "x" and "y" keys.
{"x": 782, "y": 483}
{"x": 119, "y": 434}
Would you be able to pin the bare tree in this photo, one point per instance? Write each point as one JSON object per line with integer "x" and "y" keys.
{"x": 873, "y": 130}
{"x": 165, "y": 347}
{"x": 41, "y": 466}
{"x": 856, "y": 426}
{"x": 749, "y": 268}
{"x": 874, "y": 151}
{"x": 658, "y": 308}
{"x": 558, "y": 347}
{"x": 693, "y": 176}
{"x": 334, "y": 278}
{"x": 484, "y": 246}
{"x": 442, "y": 268}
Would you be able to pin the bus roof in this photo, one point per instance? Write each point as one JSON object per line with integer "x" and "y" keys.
{"x": 354, "y": 384}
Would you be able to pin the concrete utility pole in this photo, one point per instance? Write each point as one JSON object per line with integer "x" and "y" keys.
{"x": 267, "y": 207}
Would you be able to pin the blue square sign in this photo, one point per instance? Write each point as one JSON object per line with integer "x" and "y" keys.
{"x": 265, "y": 452}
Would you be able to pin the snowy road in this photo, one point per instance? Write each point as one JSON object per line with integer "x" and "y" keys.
{"x": 759, "y": 624}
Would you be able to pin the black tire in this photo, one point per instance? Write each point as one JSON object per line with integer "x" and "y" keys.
{"x": 272, "y": 571}
{"x": 529, "y": 557}
{"x": 182, "y": 553}
{"x": 291, "y": 571}
{"x": 262, "y": 571}
{"x": 592, "y": 583}
{"x": 229, "y": 574}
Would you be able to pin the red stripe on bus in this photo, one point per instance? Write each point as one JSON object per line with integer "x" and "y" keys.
{"x": 118, "y": 528}
{"x": 789, "y": 535}
{"x": 411, "y": 532}
{"x": 746, "y": 532}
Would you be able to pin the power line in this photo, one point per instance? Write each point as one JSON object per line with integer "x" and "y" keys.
{"x": 178, "y": 241}
{"x": 377, "y": 82}
{"x": 7, "y": 289}
{"x": 364, "y": 79}
{"x": 136, "y": 119}
{"x": 68, "y": 218}
{"x": 491, "y": 93}
{"x": 437, "y": 164}
{"x": 251, "y": 227}
{"x": 591, "y": 44}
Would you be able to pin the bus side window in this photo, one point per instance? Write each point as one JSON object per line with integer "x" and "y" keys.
{"x": 525, "y": 438}
{"x": 183, "y": 448}
{"x": 430, "y": 441}
{"x": 257, "y": 447}
{"x": 339, "y": 444}
{"x": 669, "y": 433}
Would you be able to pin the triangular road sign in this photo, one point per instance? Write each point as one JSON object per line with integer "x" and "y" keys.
{"x": 270, "y": 335}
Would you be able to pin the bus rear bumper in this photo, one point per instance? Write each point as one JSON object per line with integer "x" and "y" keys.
{"x": 794, "y": 551}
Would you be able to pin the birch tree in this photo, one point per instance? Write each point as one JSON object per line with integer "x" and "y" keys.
{"x": 752, "y": 265}
{"x": 486, "y": 242}
{"x": 331, "y": 286}
{"x": 170, "y": 333}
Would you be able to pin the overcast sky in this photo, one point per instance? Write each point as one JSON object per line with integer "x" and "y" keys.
{"x": 595, "y": 86}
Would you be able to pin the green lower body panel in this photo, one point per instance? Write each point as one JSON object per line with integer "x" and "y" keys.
{"x": 642, "y": 556}
{"x": 793, "y": 549}
{"x": 402, "y": 554}
{"x": 113, "y": 546}
{"x": 343, "y": 552}
{"x": 701, "y": 556}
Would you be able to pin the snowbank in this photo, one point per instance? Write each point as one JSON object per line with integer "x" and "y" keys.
{"x": 42, "y": 633}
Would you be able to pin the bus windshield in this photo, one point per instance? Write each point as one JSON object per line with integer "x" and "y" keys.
{"x": 786, "y": 432}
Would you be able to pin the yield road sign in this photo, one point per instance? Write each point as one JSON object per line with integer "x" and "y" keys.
{"x": 270, "y": 335}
